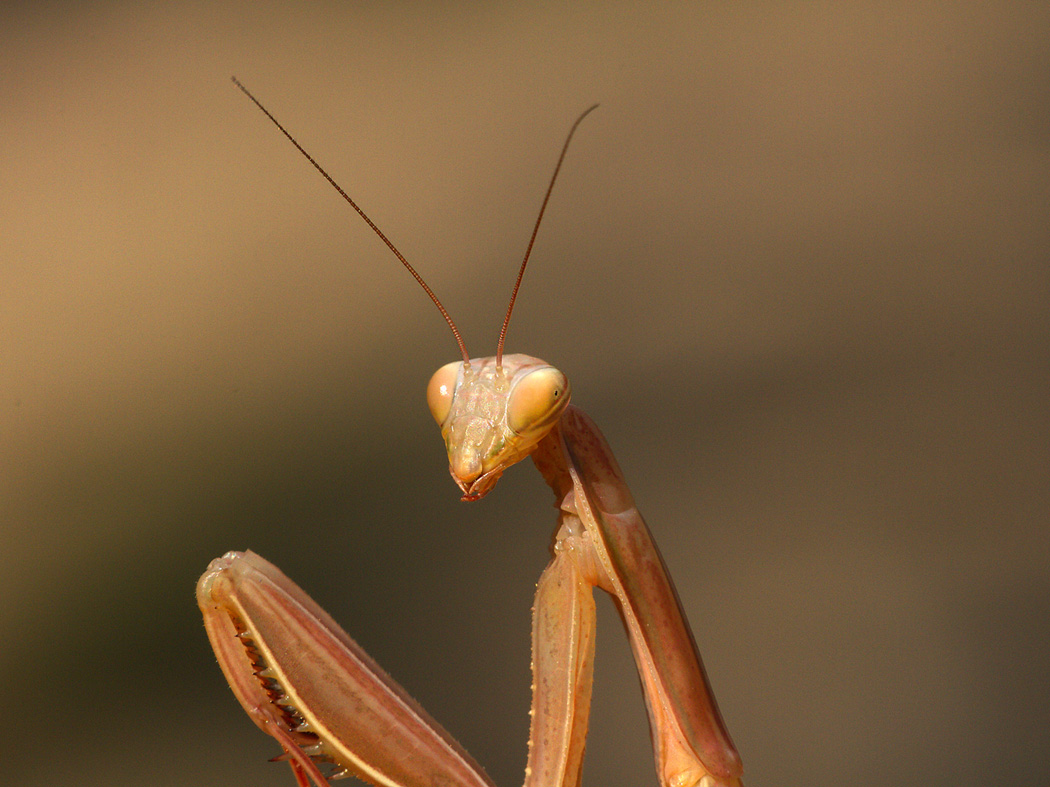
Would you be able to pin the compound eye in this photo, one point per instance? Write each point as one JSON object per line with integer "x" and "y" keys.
{"x": 441, "y": 389}
{"x": 536, "y": 398}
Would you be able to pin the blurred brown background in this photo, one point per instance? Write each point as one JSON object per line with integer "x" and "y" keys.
{"x": 796, "y": 266}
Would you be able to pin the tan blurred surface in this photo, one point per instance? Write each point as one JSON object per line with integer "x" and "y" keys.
{"x": 796, "y": 267}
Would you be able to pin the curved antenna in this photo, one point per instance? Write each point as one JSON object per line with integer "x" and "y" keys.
{"x": 368, "y": 221}
{"x": 535, "y": 229}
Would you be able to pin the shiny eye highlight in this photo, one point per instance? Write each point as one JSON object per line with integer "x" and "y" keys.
{"x": 536, "y": 398}
{"x": 440, "y": 390}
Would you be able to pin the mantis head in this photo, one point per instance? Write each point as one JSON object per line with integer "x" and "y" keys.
{"x": 494, "y": 411}
{"x": 492, "y": 415}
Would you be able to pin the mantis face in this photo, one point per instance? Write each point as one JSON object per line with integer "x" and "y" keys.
{"x": 492, "y": 416}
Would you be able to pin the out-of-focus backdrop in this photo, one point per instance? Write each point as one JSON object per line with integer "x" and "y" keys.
{"x": 796, "y": 267}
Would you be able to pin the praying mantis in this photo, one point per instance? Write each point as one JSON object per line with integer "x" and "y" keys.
{"x": 305, "y": 682}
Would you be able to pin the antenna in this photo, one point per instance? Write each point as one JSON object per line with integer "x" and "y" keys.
{"x": 535, "y": 229}
{"x": 375, "y": 229}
